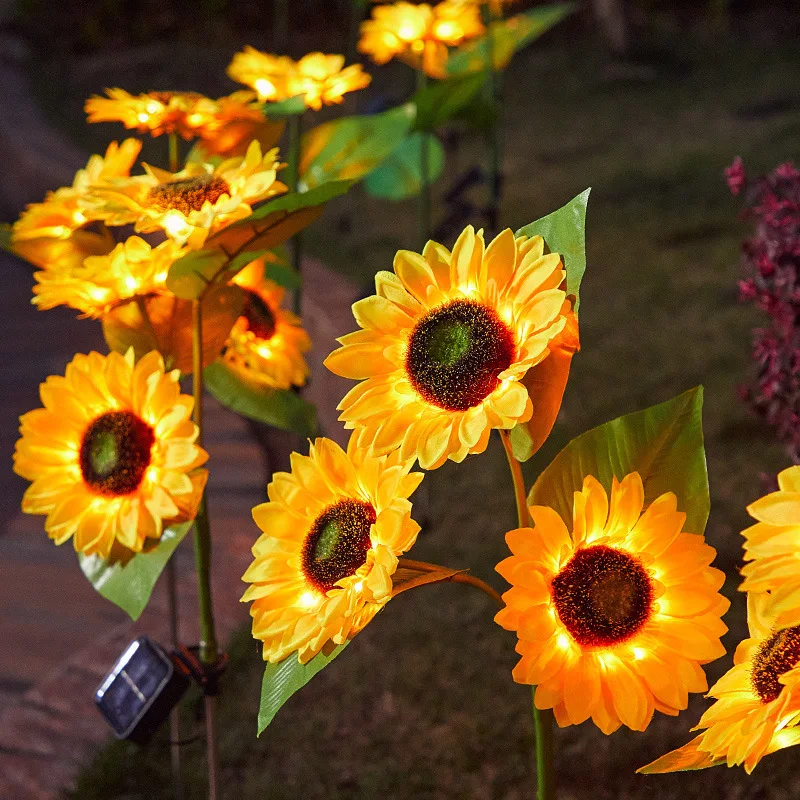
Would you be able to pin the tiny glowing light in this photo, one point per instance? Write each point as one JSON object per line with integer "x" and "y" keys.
{"x": 265, "y": 88}
{"x": 151, "y": 475}
{"x": 264, "y": 350}
{"x": 152, "y": 107}
{"x": 358, "y": 586}
{"x": 98, "y": 293}
{"x": 161, "y": 276}
{"x": 195, "y": 119}
{"x": 175, "y": 224}
{"x": 142, "y": 117}
{"x": 639, "y": 653}
{"x": 78, "y": 217}
{"x": 446, "y": 30}
{"x": 62, "y": 231}
{"x": 407, "y": 32}
{"x": 131, "y": 283}
{"x": 308, "y": 600}
{"x": 564, "y": 641}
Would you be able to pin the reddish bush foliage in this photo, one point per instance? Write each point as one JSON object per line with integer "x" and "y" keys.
{"x": 771, "y": 260}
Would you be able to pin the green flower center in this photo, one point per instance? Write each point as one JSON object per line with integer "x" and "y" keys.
{"x": 115, "y": 453}
{"x": 776, "y": 656}
{"x": 603, "y": 596}
{"x": 260, "y": 317}
{"x": 456, "y": 353}
{"x": 188, "y": 194}
{"x": 338, "y": 543}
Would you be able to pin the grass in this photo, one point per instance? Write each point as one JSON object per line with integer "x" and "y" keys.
{"x": 422, "y": 704}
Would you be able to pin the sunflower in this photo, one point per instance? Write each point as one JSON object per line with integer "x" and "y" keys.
{"x": 40, "y": 232}
{"x": 613, "y": 620}
{"x": 112, "y": 455}
{"x": 446, "y": 343}
{"x": 267, "y": 343}
{"x": 321, "y": 79}
{"x": 771, "y": 548}
{"x": 188, "y": 114}
{"x": 192, "y": 203}
{"x": 332, "y": 531}
{"x": 757, "y": 706}
{"x": 132, "y": 269}
{"x": 419, "y": 34}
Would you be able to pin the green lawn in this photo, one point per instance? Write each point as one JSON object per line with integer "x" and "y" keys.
{"x": 422, "y": 704}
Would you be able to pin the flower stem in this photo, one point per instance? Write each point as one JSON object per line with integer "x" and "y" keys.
{"x": 281, "y": 32}
{"x": 424, "y": 202}
{"x": 173, "y": 152}
{"x": 460, "y": 577}
{"x": 209, "y": 649}
{"x": 542, "y": 718}
{"x": 295, "y": 126}
{"x": 495, "y": 129}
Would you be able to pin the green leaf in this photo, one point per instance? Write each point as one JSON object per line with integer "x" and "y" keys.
{"x": 282, "y": 680}
{"x": 509, "y": 36}
{"x": 192, "y": 274}
{"x": 442, "y": 101}
{"x": 276, "y": 221}
{"x": 351, "y": 147}
{"x": 400, "y": 175}
{"x": 280, "y": 408}
{"x": 663, "y": 443}
{"x": 564, "y": 232}
{"x": 286, "y": 108}
{"x": 129, "y": 585}
{"x": 405, "y": 577}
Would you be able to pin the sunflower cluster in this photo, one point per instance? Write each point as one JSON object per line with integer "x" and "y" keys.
{"x": 112, "y": 456}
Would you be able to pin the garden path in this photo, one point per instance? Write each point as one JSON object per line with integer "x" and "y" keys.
{"x": 57, "y": 636}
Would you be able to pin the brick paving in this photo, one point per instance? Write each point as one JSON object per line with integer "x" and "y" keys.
{"x": 57, "y": 636}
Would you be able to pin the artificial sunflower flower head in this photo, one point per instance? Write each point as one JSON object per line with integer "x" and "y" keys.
{"x": 40, "y": 234}
{"x": 445, "y": 344}
{"x": 193, "y": 203}
{"x": 94, "y": 287}
{"x": 187, "y": 114}
{"x": 419, "y": 34}
{"x": 757, "y": 708}
{"x": 112, "y": 456}
{"x": 321, "y": 79}
{"x": 772, "y": 548}
{"x": 615, "y": 618}
{"x": 332, "y": 533}
{"x": 267, "y": 343}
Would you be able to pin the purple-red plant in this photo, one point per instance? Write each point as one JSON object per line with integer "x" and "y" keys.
{"x": 771, "y": 260}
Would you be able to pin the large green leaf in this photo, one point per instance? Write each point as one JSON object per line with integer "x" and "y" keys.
{"x": 400, "y": 175}
{"x": 350, "y": 147}
{"x": 282, "y": 680}
{"x": 130, "y": 584}
{"x": 663, "y": 443}
{"x": 442, "y": 101}
{"x": 564, "y": 232}
{"x": 505, "y": 38}
{"x": 280, "y": 408}
{"x": 276, "y": 221}
{"x": 190, "y": 276}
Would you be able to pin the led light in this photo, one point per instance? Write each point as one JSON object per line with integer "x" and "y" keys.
{"x": 142, "y": 117}
{"x": 639, "y": 653}
{"x": 175, "y": 225}
{"x": 308, "y": 600}
{"x": 265, "y": 88}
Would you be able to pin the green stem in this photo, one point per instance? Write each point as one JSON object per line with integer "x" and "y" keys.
{"x": 542, "y": 719}
{"x": 281, "y": 32}
{"x": 292, "y": 179}
{"x": 173, "y": 152}
{"x": 495, "y": 130}
{"x": 424, "y": 203}
{"x": 209, "y": 649}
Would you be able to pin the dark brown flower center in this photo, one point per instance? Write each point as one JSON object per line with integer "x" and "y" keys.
{"x": 603, "y": 596}
{"x": 776, "y": 656}
{"x": 115, "y": 453}
{"x": 260, "y": 317}
{"x": 188, "y": 194}
{"x": 338, "y": 543}
{"x": 456, "y": 353}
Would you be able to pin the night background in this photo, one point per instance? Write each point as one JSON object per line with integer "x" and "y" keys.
{"x": 648, "y": 106}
